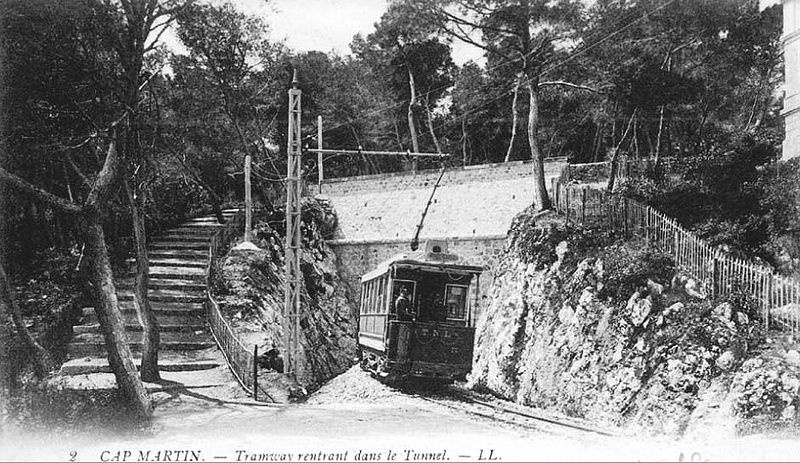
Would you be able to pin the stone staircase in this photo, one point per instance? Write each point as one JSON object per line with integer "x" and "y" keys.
{"x": 178, "y": 261}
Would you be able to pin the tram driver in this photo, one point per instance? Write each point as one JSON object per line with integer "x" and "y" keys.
{"x": 403, "y": 307}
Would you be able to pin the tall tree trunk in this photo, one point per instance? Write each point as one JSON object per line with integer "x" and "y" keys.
{"x": 514, "y": 119}
{"x": 42, "y": 361}
{"x": 612, "y": 176}
{"x": 141, "y": 300}
{"x": 106, "y": 306}
{"x": 540, "y": 196}
{"x": 464, "y": 140}
{"x": 430, "y": 125}
{"x": 411, "y": 126}
{"x": 120, "y": 357}
{"x": 660, "y": 134}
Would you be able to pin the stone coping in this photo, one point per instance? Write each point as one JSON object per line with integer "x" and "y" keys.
{"x": 346, "y": 242}
{"x": 329, "y": 181}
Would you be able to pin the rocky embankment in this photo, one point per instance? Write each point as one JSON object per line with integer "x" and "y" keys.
{"x": 601, "y": 329}
{"x": 251, "y": 295}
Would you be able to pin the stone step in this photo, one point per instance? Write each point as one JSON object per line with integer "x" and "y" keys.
{"x": 187, "y": 309}
{"x": 197, "y": 231}
{"x": 185, "y": 238}
{"x": 177, "y": 314}
{"x": 178, "y": 254}
{"x": 178, "y": 273}
{"x": 167, "y": 361}
{"x": 210, "y": 219}
{"x": 93, "y": 344}
{"x": 165, "y": 295}
{"x": 179, "y": 245}
{"x": 131, "y": 326}
{"x": 166, "y": 283}
{"x": 202, "y": 225}
{"x": 173, "y": 262}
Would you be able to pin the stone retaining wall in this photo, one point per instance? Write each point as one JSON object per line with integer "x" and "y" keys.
{"x": 426, "y": 178}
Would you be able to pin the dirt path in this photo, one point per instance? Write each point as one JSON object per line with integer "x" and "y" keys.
{"x": 355, "y": 418}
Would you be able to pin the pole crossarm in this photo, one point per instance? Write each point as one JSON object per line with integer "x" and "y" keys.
{"x": 377, "y": 153}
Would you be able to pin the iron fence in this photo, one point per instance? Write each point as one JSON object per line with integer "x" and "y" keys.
{"x": 241, "y": 359}
{"x": 777, "y": 297}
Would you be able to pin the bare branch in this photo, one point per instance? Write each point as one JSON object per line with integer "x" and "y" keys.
{"x": 568, "y": 84}
{"x": 38, "y": 193}
{"x": 78, "y": 170}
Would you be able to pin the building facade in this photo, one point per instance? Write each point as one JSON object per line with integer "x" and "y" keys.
{"x": 791, "y": 53}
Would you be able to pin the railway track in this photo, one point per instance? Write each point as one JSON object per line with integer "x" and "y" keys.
{"x": 464, "y": 401}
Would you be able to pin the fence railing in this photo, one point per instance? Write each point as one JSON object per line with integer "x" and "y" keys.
{"x": 777, "y": 297}
{"x": 241, "y": 359}
{"x": 627, "y": 167}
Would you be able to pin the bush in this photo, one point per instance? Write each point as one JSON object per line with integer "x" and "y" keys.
{"x": 628, "y": 270}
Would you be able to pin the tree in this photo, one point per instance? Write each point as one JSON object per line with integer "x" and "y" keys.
{"x": 522, "y": 36}
{"x": 94, "y": 102}
{"x": 134, "y": 32}
{"x": 417, "y": 65}
{"x": 229, "y": 52}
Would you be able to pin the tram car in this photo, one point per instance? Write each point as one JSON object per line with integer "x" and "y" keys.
{"x": 416, "y": 318}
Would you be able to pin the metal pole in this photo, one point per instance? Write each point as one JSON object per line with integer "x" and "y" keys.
{"x": 248, "y": 200}
{"x": 292, "y": 273}
{"x": 320, "y": 174}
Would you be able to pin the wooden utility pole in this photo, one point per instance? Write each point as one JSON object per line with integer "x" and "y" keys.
{"x": 248, "y": 199}
{"x": 291, "y": 313}
{"x": 320, "y": 174}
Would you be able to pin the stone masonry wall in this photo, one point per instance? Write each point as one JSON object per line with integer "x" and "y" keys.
{"x": 426, "y": 178}
{"x": 472, "y": 210}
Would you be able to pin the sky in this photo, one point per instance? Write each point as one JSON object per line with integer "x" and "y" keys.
{"x": 328, "y": 25}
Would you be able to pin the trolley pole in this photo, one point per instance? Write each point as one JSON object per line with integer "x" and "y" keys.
{"x": 292, "y": 275}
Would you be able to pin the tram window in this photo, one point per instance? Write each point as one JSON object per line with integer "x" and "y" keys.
{"x": 380, "y": 299}
{"x": 455, "y": 300}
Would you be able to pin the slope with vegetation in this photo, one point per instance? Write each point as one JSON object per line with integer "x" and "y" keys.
{"x": 250, "y": 288}
{"x": 594, "y": 327}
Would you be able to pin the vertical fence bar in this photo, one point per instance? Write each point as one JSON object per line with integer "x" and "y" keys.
{"x": 583, "y": 205}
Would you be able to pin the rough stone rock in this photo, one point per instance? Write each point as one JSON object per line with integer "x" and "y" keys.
{"x": 674, "y": 309}
{"x": 793, "y": 357}
{"x": 602, "y": 325}
{"x": 640, "y": 309}
{"x": 674, "y": 373}
{"x": 587, "y": 296}
{"x": 655, "y": 289}
{"x": 726, "y": 361}
{"x": 561, "y": 250}
{"x": 693, "y": 289}
{"x": 742, "y": 318}
{"x": 724, "y": 311}
{"x": 599, "y": 269}
{"x": 789, "y": 413}
{"x": 566, "y": 314}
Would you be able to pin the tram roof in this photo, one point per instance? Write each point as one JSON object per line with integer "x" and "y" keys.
{"x": 438, "y": 260}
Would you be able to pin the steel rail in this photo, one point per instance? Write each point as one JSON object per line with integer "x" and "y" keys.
{"x": 466, "y": 398}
